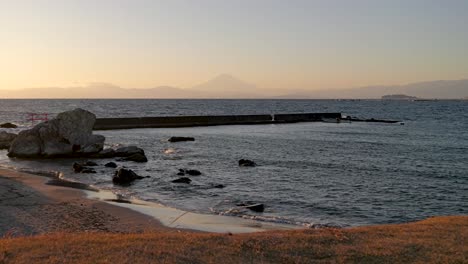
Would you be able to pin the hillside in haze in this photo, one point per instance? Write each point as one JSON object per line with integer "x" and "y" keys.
{"x": 450, "y": 89}
{"x": 227, "y": 86}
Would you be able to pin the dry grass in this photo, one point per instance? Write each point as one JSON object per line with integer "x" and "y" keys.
{"x": 436, "y": 240}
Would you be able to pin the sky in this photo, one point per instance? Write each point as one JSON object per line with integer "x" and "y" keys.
{"x": 276, "y": 44}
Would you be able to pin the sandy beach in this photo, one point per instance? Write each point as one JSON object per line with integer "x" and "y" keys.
{"x": 29, "y": 206}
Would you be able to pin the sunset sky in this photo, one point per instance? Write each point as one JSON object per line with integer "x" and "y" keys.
{"x": 300, "y": 44}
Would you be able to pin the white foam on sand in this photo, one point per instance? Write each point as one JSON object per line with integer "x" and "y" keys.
{"x": 176, "y": 218}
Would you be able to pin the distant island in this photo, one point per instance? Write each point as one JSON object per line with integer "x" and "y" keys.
{"x": 399, "y": 97}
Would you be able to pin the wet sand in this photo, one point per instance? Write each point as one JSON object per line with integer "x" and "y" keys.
{"x": 28, "y": 206}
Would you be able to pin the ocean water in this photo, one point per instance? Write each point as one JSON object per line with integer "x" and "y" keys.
{"x": 343, "y": 174}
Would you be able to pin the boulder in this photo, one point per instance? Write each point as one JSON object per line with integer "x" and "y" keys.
{"x": 128, "y": 151}
{"x": 125, "y": 176}
{"x": 69, "y": 134}
{"x": 136, "y": 158}
{"x": 246, "y": 163}
{"x": 8, "y": 125}
{"x": 111, "y": 165}
{"x": 182, "y": 180}
{"x": 180, "y": 139}
{"x": 6, "y": 139}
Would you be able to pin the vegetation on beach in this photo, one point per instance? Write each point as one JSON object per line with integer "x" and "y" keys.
{"x": 435, "y": 240}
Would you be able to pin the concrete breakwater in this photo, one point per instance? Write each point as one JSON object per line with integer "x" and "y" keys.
{"x": 192, "y": 121}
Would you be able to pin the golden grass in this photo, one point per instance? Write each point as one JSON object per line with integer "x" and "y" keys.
{"x": 435, "y": 240}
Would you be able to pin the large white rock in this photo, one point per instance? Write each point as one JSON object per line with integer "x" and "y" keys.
{"x": 69, "y": 134}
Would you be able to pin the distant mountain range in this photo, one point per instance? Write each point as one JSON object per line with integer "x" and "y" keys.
{"x": 227, "y": 86}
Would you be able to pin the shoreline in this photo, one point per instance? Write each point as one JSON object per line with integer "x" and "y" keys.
{"x": 41, "y": 193}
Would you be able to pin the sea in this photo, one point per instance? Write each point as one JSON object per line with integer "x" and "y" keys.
{"x": 308, "y": 174}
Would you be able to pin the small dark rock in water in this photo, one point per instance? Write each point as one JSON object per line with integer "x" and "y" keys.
{"x": 137, "y": 157}
{"x": 88, "y": 170}
{"x": 80, "y": 168}
{"x": 8, "y": 125}
{"x": 77, "y": 167}
{"x": 111, "y": 165}
{"x": 182, "y": 180}
{"x": 125, "y": 176}
{"x": 104, "y": 154}
{"x": 246, "y": 163}
{"x": 91, "y": 163}
{"x": 218, "y": 186}
{"x": 256, "y": 207}
{"x": 182, "y": 172}
{"x": 180, "y": 139}
{"x": 193, "y": 172}
{"x": 128, "y": 151}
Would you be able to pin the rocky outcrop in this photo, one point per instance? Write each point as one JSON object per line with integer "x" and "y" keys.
{"x": 180, "y": 139}
{"x": 8, "y": 125}
{"x": 69, "y": 134}
{"x": 125, "y": 176}
{"x": 6, "y": 139}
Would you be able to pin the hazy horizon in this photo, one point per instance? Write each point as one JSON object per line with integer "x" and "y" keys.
{"x": 277, "y": 45}
{"x": 226, "y": 86}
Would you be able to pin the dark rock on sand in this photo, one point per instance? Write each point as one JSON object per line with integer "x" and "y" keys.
{"x": 125, "y": 176}
{"x": 180, "y": 139}
{"x": 6, "y": 139}
{"x": 246, "y": 163}
{"x": 69, "y": 134}
{"x": 136, "y": 158}
{"x": 8, "y": 125}
{"x": 111, "y": 165}
{"x": 182, "y": 180}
